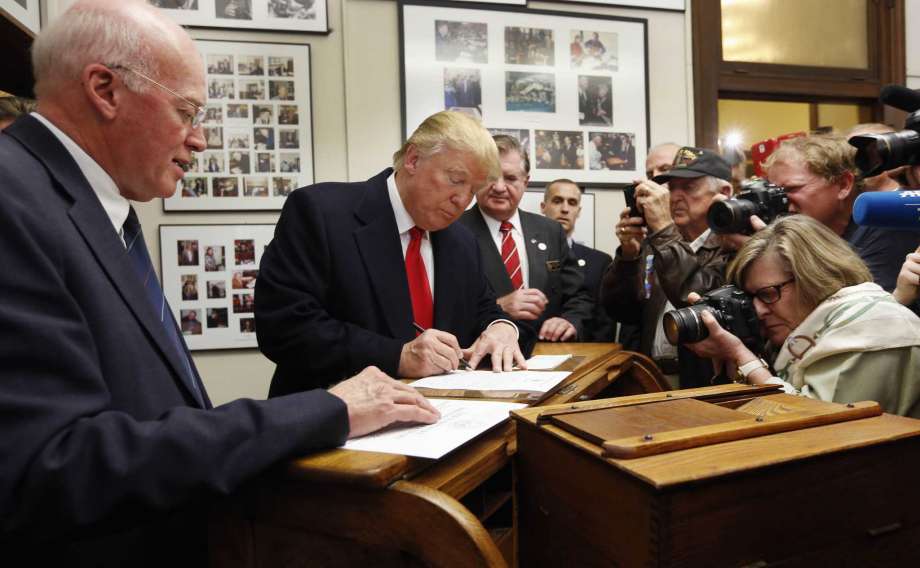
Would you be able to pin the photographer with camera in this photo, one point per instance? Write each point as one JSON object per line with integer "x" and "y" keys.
{"x": 667, "y": 251}
{"x": 839, "y": 336}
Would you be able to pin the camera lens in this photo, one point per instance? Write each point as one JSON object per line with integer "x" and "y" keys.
{"x": 732, "y": 216}
{"x": 685, "y": 325}
{"x": 876, "y": 153}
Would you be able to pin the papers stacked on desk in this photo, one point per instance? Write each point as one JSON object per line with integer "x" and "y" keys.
{"x": 537, "y": 382}
{"x": 461, "y": 421}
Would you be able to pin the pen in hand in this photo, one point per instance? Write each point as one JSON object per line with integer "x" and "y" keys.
{"x": 464, "y": 364}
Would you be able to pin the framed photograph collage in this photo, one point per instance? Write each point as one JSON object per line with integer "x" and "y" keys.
{"x": 209, "y": 276}
{"x": 287, "y": 15}
{"x": 258, "y": 129}
{"x": 25, "y": 12}
{"x": 573, "y": 89}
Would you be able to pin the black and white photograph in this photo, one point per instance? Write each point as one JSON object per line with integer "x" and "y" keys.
{"x": 263, "y": 138}
{"x": 214, "y": 258}
{"x": 457, "y": 42}
{"x": 255, "y": 186}
{"x": 530, "y": 92}
{"x": 194, "y": 186}
{"x": 253, "y": 89}
{"x": 611, "y": 151}
{"x": 250, "y": 65}
{"x": 221, "y": 89}
{"x": 462, "y": 89}
{"x": 237, "y": 110}
{"x": 280, "y": 66}
{"x": 529, "y": 46}
{"x": 274, "y": 15}
{"x": 559, "y": 150}
{"x": 593, "y": 51}
{"x": 217, "y": 289}
{"x": 282, "y": 186}
{"x": 239, "y": 162}
{"x": 237, "y": 138}
{"x": 225, "y": 187}
{"x": 262, "y": 114}
{"x": 287, "y": 138}
{"x": 289, "y": 163}
{"x": 213, "y": 114}
{"x": 220, "y": 297}
{"x": 189, "y": 287}
{"x": 570, "y": 73}
{"x": 595, "y": 100}
{"x": 219, "y": 64}
{"x": 265, "y": 162}
{"x": 212, "y": 162}
{"x": 214, "y": 137}
{"x": 287, "y": 114}
{"x": 187, "y": 252}
{"x": 280, "y": 90}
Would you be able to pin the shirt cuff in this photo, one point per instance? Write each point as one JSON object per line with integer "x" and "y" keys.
{"x": 787, "y": 388}
{"x": 517, "y": 333}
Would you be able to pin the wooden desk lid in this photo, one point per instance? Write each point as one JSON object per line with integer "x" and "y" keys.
{"x": 664, "y": 426}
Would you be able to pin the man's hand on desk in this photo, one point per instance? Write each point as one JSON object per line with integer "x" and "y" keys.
{"x": 524, "y": 304}
{"x": 374, "y": 401}
{"x": 557, "y": 329}
{"x": 431, "y": 353}
{"x": 500, "y": 341}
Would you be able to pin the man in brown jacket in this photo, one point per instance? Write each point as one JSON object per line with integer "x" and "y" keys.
{"x": 666, "y": 254}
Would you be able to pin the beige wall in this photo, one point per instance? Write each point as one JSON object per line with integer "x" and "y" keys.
{"x": 356, "y": 114}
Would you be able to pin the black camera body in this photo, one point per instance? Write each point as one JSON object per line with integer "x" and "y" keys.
{"x": 732, "y": 307}
{"x": 629, "y": 194}
{"x": 877, "y": 153}
{"x": 758, "y": 197}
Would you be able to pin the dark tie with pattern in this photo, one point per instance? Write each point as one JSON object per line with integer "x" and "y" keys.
{"x": 510, "y": 256}
{"x": 140, "y": 260}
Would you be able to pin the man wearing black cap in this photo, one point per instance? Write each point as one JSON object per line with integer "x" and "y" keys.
{"x": 668, "y": 253}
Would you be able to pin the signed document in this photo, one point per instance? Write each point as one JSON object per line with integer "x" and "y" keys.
{"x": 546, "y": 362}
{"x": 461, "y": 421}
{"x": 518, "y": 381}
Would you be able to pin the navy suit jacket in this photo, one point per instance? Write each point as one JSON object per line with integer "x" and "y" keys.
{"x": 332, "y": 295}
{"x": 592, "y": 263}
{"x": 551, "y": 269}
{"x": 108, "y": 458}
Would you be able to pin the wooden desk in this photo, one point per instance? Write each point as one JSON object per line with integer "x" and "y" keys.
{"x": 838, "y": 494}
{"x": 344, "y": 508}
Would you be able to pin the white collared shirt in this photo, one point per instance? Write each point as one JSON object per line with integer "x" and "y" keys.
{"x": 404, "y": 222}
{"x": 516, "y": 233}
{"x": 114, "y": 204}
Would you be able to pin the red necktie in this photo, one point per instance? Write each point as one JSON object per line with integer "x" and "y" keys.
{"x": 419, "y": 289}
{"x": 510, "y": 256}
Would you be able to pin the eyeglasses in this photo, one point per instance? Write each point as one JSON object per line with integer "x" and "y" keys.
{"x": 771, "y": 294}
{"x": 194, "y": 120}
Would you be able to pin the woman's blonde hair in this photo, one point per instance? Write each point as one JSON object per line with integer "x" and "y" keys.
{"x": 457, "y": 131}
{"x": 820, "y": 261}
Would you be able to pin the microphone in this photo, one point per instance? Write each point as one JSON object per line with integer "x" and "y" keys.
{"x": 900, "y": 97}
{"x": 889, "y": 209}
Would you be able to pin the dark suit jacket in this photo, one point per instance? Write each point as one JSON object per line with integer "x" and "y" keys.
{"x": 332, "y": 295}
{"x": 108, "y": 459}
{"x": 592, "y": 263}
{"x": 553, "y": 270}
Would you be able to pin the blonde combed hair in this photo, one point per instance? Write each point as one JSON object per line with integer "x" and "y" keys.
{"x": 456, "y": 131}
{"x": 820, "y": 261}
{"x": 829, "y": 156}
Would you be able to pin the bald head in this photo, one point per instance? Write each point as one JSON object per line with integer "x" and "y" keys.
{"x": 129, "y": 33}
{"x": 660, "y": 158}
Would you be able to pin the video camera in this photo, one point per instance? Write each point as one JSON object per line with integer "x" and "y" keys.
{"x": 758, "y": 197}
{"x": 877, "y": 153}
{"x": 732, "y": 307}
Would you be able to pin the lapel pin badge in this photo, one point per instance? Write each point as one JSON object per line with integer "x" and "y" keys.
{"x": 581, "y": 262}
{"x": 541, "y": 246}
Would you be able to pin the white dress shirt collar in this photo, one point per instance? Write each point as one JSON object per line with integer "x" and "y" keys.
{"x": 494, "y": 224}
{"x": 115, "y": 205}
{"x": 404, "y": 221}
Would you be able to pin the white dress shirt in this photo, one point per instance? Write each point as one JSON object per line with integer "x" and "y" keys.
{"x": 516, "y": 233}
{"x": 404, "y": 222}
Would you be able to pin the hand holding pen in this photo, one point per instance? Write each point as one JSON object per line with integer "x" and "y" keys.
{"x": 431, "y": 353}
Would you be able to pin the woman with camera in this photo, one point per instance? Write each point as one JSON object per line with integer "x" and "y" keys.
{"x": 839, "y": 336}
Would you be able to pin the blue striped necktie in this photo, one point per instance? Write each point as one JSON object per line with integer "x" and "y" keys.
{"x": 140, "y": 260}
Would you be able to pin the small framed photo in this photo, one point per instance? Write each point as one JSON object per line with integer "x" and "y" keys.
{"x": 275, "y": 15}
{"x": 25, "y": 13}
{"x": 209, "y": 275}
{"x": 257, "y": 121}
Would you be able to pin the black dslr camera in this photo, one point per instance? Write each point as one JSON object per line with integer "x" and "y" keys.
{"x": 877, "y": 153}
{"x": 732, "y": 307}
{"x": 758, "y": 197}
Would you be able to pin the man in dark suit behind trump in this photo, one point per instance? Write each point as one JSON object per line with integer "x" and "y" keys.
{"x": 110, "y": 448}
{"x": 357, "y": 271}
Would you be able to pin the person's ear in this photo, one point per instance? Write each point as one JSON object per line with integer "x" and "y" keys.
{"x": 845, "y": 185}
{"x": 726, "y": 190}
{"x": 102, "y": 89}
{"x": 411, "y": 158}
{"x": 543, "y": 207}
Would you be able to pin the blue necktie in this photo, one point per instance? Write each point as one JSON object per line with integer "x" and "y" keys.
{"x": 140, "y": 260}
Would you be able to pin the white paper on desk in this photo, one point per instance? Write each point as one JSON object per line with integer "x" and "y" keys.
{"x": 527, "y": 381}
{"x": 461, "y": 421}
{"x": 546, "y": 362}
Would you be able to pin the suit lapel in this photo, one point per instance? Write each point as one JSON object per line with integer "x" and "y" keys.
{"x": 94, "y": 225}
{"x": 536, "y": 258}
{"x": 492, "y": 263}
{"x": 378, "y": 243}
{"x": 447, "y": 272}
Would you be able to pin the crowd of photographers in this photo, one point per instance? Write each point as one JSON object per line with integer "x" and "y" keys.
{"x": 791, "y": 281}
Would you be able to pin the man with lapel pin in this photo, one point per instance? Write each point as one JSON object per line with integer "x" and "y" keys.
{"x": 375, "y": 272}
{"x": 526, "y": 256}
{"x": 111, "y": 450}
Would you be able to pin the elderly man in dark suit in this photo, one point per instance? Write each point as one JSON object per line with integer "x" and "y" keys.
{"x": 562, "y": 203}
{"x": 375, "y": 272}
{"x": 526, "y": 256}
{"x": 111, "y": 451}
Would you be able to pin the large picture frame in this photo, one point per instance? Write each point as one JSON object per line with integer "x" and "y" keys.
{"x": 258, "y": 129}
{"x": 26, "y": 13}
{"x": 209, "y": 274}
{"x": 276, "y": 15}
{"x": 572, "y": 88}
{"x": 667, "y": 5}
